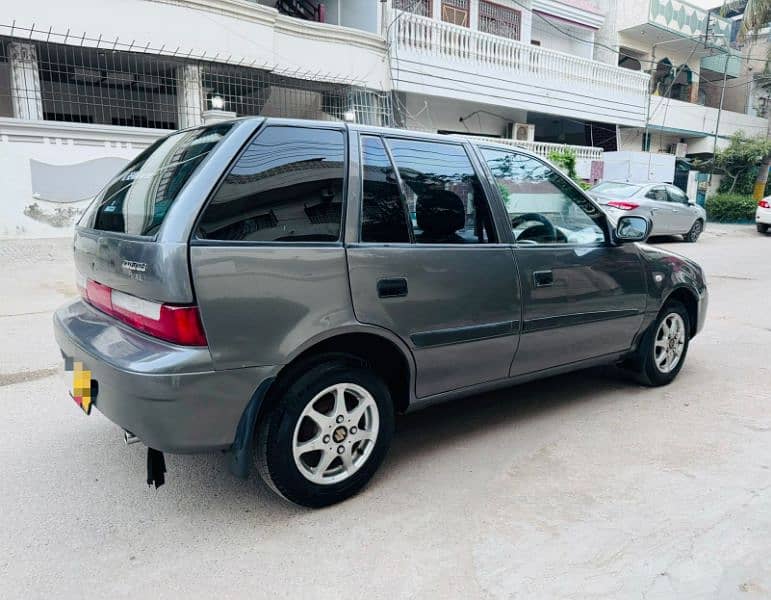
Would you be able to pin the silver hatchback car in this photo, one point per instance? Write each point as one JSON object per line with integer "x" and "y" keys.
{"x": 280, "y": 289}
{"x": 667, "y": 206}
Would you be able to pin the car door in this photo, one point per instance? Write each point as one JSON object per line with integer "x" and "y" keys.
{"x": 426, "y": 263}
{"x": 662, "y": 216}
{"x": 683, "y": 214}
{"x": 582, "y": 297}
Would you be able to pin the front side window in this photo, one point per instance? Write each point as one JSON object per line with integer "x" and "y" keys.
{"x": 543, "y": 207}
{"x": 443, "y": 194}
{"x": 286, "y": 187}
{"x": 137, "y": 200}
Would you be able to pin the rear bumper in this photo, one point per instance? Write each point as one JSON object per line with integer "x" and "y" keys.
{"x": 169, "y": 396}
{"x": 763, "y": 216}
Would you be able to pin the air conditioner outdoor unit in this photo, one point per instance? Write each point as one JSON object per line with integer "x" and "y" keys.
{"x": 523, "y": 132}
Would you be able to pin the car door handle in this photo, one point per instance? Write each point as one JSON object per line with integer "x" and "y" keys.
{"x": 543, "y": 278}
{"x": 392, "y": 288}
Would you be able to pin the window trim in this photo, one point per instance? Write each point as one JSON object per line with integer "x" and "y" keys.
{"x": 196, "y": 240}
{"x": 603, "y": 218}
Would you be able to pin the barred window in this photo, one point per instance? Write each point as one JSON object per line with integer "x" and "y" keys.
{"x": 500, "y": 20}
{"x": 419, "y": 7}
{"x": 455, "y": 12}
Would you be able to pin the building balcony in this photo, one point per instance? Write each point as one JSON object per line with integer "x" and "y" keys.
{"x": 697, "y": 123}
{"x": 435, "y": 58}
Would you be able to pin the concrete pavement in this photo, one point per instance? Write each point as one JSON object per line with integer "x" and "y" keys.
{"x": 582, "y": 486}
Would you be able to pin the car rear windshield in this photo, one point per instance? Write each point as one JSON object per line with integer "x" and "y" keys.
{"x": 620, "y": 190}
{"x": 138, "y": 198}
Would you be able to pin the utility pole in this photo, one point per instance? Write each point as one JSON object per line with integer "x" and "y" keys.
{"x": 719, "y": 113}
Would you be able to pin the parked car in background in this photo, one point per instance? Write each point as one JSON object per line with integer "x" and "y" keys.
{"x": 279, "y": 289}
{"x": 667, "y": 206}
{"x": 763, "y": 215}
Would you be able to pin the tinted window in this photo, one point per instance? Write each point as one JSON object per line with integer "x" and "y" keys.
{"x": 286, "y": 187}
{"x": 137, "y": 200}
{"x": 677, "y": 195}
{"x": 384, "y": 216}
{"x": 658, "y": 193}
{"x": 612, "y": 188}
{"x": 443, "y": 194}
{"x": 543, "y": 206}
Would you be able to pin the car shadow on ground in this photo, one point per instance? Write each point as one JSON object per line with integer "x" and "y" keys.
{"x": 201, "y": 484}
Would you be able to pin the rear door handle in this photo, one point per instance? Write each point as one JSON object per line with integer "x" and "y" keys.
{"x": 543, "y": 278}
{"x": 392, "y": 288}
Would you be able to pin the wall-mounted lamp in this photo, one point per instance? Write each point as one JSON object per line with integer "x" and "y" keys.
{"x": 349, "y": 116}
{"x": 217, "y": 102}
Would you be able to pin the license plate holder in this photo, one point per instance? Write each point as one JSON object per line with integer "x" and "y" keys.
{"x": 83, "y": 390}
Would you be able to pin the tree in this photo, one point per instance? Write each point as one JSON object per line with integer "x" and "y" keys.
{"x": 757, "y": 14}
{"x": 742, "y": 155}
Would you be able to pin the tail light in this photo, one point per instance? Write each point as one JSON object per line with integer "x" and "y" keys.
{"x": 764, "y": 203}
{"x": 621, "y": 205}
{"x": 176, "y": 324}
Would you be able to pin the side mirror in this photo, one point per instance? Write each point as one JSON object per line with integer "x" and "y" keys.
{"x": 632, "y": 229}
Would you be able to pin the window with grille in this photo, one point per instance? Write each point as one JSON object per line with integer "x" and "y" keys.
{"x": 419, "y": 7}
{"x": 499, "y": 20}
{"x": 455, "y": 12}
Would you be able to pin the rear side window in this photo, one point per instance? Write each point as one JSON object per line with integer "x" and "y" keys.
{"x": 384, "y": 216}
{"x": 137, "y": 200}
{"x": 286, "y": 187}
{"x": 443, "y": 193}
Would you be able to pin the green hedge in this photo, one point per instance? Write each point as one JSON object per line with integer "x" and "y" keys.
{"x": 731, "y": 208}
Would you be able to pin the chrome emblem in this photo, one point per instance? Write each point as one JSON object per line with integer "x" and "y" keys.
{"x": 134, "y": 267}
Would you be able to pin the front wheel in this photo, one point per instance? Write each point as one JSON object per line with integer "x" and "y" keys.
{"x": 663, "y": 349}
{"x": 694, "y": 232}
{"x": 327, "y": 435}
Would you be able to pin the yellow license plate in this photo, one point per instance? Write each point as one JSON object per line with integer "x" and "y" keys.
{"x": 82, "y": 389}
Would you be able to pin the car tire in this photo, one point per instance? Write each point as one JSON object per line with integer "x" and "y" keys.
{"x": 762, "y": 228}
{"x": 695, "y": 231}
{"x": 653, "y": 369}
{"x": 309, "y": 410}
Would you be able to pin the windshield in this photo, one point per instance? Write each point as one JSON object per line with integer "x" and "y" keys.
{"x": 137, "y": 200}
{"x": 612, "y": 188}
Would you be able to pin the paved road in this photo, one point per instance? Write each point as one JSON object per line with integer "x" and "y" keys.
{"x": 580, "y": 486}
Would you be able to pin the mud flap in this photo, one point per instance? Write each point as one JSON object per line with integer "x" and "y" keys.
{"x": 156, "y": 468}
{"x": 241, "y": 453}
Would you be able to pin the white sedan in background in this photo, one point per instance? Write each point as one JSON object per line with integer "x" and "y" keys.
{"x": 667, "y": 206}
{"x": 763, "y": 215}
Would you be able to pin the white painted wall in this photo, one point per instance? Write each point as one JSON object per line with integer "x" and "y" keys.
{"x": 431, "y": 113}
{"x": 693, "y": 117}
{"x": 576, "y": 40}
{"x": 358, "y": 14}
{"x": 241, "y": 31}
{"x": 55, "y": 144}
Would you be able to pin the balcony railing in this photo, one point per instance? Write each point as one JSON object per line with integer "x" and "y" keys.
{"x": 440, "y": 40}
{"x": 543, "y": 148}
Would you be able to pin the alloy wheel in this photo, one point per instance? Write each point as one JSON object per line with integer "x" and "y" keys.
{"x": 336, "y": 433}
{"x": 669, "y": 343}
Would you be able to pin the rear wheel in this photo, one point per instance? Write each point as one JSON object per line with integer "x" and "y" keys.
{"x": 695, "y": 231}
{"x": 762, "y": 228}
{"x": 663, "y": 349}
{"x": 328, "y": 433}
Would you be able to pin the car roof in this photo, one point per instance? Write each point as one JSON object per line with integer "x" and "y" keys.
{"x": 389, "y": 131}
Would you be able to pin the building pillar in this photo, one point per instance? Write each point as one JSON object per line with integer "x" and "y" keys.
{"x": 190, "y": 102}
{"x": 26, "y": 97}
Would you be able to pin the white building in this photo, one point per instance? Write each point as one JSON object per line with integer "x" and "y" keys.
{"x": 85, "y": 85}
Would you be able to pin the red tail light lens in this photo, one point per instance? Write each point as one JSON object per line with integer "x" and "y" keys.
{"x": 764, "y": 203}
{"x": 621, "y": 205}
{"x": 176, "y": 324}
